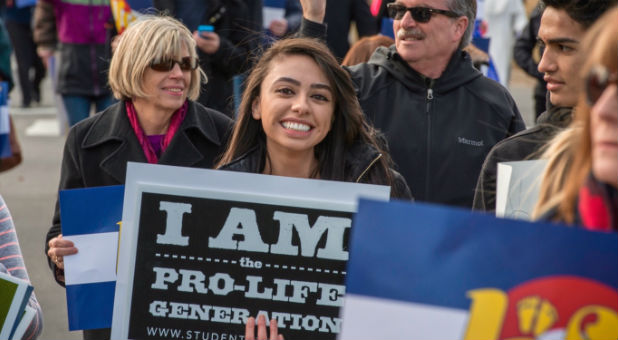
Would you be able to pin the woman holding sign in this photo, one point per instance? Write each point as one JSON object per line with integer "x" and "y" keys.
{"x": 299, "y": 117}
{"x": 154, "y": 73}
{"x": 580, "y": 185}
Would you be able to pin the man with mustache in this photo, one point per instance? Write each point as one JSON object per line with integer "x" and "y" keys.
{"x": 563, "y": 25}
{"x": 440, "y": 116}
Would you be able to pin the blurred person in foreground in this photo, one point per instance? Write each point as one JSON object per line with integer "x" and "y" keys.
{"x": 580, "y": 184}
{"x": 563, "y": 25}
{"x": 155, "y": 75}
{"x": 12, "y": 263}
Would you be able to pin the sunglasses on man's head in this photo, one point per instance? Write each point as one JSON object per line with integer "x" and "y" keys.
{"x": 419, "y": 14}
{"x": 165, "y": 65}
{"x": 597, "y": 81}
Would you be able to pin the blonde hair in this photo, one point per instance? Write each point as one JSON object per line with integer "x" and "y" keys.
{"x": 148, "y": 39}
{"x": 569, "y": 154}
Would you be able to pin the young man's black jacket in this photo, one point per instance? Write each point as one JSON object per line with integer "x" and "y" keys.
{"x": 522, "y": 146}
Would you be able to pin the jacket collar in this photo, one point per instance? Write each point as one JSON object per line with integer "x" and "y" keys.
{"x": 251, "y": 161}
{"x": 113, "y": 129}
{"x": 458, "y": 71}
{"x": 557, "y": 116}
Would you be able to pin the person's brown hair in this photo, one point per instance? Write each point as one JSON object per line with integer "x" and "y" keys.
{"x": 569, "y": 154}
{"x": 362, "y": 50}
{"x": 348, "y": 126}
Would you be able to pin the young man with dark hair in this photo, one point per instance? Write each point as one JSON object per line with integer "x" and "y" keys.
{"x": 563, "y": 25}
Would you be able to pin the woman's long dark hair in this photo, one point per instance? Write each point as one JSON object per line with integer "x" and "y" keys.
{"x": 348, "y": 127}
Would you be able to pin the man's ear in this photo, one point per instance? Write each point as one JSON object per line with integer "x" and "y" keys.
{"x": 461, "y": 24}
{"x": 255, "y": 109}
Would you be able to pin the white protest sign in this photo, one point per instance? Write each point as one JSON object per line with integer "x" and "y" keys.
{"x": 202, "y": 250}
{"x": 517, "y": 188}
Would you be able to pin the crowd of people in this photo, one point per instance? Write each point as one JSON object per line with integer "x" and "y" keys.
{"x": 412, "y": 113}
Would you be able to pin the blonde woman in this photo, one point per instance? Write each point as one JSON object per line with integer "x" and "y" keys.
{"x": 155, "y": 75}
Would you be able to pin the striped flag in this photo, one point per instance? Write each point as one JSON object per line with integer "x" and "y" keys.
{"x": 90, "y": 219}
{"x": 427, "y": 272}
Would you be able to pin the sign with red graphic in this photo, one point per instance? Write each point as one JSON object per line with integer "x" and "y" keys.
{"x": 452, "y": 274}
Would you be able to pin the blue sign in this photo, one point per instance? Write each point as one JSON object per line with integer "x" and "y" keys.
{"x": 90, "y": 214}
{"x": 433, "y": 272}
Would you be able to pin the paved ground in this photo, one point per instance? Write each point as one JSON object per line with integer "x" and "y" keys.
{"x": 30, "y": 192}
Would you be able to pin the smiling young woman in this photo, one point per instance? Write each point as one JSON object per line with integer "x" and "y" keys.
{"x": 300, "y": 117}
{"x": 296, "y": 108}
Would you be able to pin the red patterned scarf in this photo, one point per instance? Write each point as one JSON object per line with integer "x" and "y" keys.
{"x": 177, "y": 118}
{"x": 597, "y": 206}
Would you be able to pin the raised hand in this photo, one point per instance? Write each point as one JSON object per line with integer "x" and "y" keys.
{"x": 314, "y": 10}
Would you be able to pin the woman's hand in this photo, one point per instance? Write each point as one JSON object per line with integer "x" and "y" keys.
{"x": 261, "y": 329}
{"x": 58, "y": 249}
{"x": 208, "y": 42}
{"x": 314, "y": 10}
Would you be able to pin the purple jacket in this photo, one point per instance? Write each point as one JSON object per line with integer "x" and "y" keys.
{"x": 77, "y": 28}
{"x": 81, "y": 21}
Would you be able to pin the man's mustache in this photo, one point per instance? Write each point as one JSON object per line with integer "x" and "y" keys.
{"x": 413, "y": 33}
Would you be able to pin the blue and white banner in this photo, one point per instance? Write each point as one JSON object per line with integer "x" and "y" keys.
{"x": 428, "y": 272}
{"x": 90, "y": 219}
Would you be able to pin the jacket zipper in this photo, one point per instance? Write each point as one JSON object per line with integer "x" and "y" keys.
{"x": 427, "y": 163}
{"x": 368, "y": 167}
